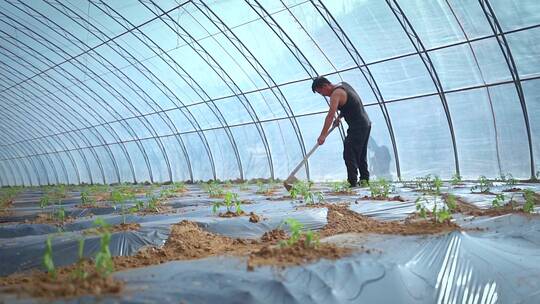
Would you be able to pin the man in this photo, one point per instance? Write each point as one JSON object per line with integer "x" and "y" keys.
{"x": 345, "y": 99}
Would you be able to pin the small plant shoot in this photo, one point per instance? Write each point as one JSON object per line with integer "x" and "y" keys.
{"x": 48, "y": 262}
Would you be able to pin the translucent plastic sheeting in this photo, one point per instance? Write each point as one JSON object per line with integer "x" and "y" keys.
{"x": 472, "y": 267}
{"x": 25, "y": 253}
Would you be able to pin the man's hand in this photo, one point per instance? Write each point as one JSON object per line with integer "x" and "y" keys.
{"x": 321, "y": 139}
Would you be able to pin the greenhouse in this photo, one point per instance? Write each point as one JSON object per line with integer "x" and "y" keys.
{"x": 270, "y": 151}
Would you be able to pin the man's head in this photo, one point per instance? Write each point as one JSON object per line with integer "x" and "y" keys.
{"x": 322, "y": 86}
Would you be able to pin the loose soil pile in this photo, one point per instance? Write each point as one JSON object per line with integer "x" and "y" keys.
{"x": 297, "y": 254}
{"x": 254, "y": 218}
{"x": 381, "y": 198}
{"x": 342, "y": 220}
{"x": 112, "y": 229}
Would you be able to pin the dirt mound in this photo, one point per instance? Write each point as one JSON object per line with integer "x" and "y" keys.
{"x": 254, "y": 218}
{"x": 381, "y": 198}
{"x": 186, "y": 241}
{"x": 40, "y": 284}
{"x": 342, "y": 220}
{"x": 274, "y": 236}
{"x": 112, "y": 229}
{"x": 296, "y": 254}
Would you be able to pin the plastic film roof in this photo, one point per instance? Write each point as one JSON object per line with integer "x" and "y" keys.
{"x": 133, "y": 91}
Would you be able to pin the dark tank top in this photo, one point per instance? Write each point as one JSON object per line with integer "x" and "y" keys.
{"x": 353, "y": 110}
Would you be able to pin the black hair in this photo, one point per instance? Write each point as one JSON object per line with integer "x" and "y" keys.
{"x": 319, "y": 82}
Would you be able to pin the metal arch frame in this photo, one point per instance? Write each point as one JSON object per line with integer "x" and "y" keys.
{"x": 138, "y": 89}
{"x": 44, "y": 112}
{"x": 65, "y": 89}
{"x": 507, "y": 53}
{"x": 40, "y": 161}
{"x": 98, "y": 136}
{"x": 19, "y": 171}
{"x": 340, "y": 127}
{"x": 190, "y": 81}
{"x": 111, "y": 90}
{"x": 421, "y": 50}
{"x": 15, "y": 129}
{"x": 218, "y": 69}
{"x": 366, "y": 72}
{"x": 186, "y": 77}
{"x": 255, "y": 64}
{"x": 291, "y": 46}
{"x": 30, "y": 147}
{"x": 171, "y": 96}
{"x": 469, "y": 44}
{"x": 135, "y": 88}
{"x": 98, "y": 97}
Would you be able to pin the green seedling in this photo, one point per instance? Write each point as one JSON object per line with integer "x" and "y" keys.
{"x": 364, "y": 183}
{"x": 44, "y": 201}
{"x": 509, "y": 180}
{"x": 60, "y": 214}
{"x": 380, "y": 188}
{"x": 342, "y": 187}
{"x": 443, "y": 215}
{"x": 498, "y": 201}
{"x": 139, "y": 206}
{"x": 303, "y": 189}
{"x": 214, "y": 189}
{"x": 104, "y": 263}
{"x": 86, "y": 199}
{"x": 421, "y": 208}
{"x": 456, "y": 179}
{"x": 483, "y": 185}
{"x": 263, "y": 188}
{"x": 296, "y": 231}
{"x": 424, "y": 184}
{"x": 119, "y": 198}
{"x": 166, "y": 193}
{"x": 529, "y": 201}
{"x": 312, "y": 239}
{"x": 437, "y": 184}
{"x": 79, "y": 273}
{"x": 48, "y": 262}
{"x": 451, "y": 202}
{"x": 230, "y": 200}
{"x": 179, "y": 187}
{"x": 153, "y": 203}
{"x": 244, "y": 186}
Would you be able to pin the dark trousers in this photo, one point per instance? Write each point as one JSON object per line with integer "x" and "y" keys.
{"x": 355, "y": 155}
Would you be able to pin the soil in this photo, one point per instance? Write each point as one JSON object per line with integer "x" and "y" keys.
{"x": 342, "y": 220}
{"x": 469, "y": 209}
{"x": 281, "y": 198}
{"x": 159, "y": 210}
{"x": 46, "y": 218}
{"x": 231, "y": 214}
{"x": 380, "y": 198}
{"x": 254, "y": 218}
{"x": 5, "y": 211}
{"x": 115, "y": 228}
{"x": 296, "y": 254}
{"x": 512, "y": 190}
{"x": 93, "y": 206}
{"x": 274, "y": 236}
{"x": 99, "y": 197}
{"x": 342, "y": 193}
{"x": 40, "y": 284}
{"x": 186, "y": 241}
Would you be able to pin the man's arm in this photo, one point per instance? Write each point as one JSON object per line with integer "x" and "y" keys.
{"x": 335, "y": 99}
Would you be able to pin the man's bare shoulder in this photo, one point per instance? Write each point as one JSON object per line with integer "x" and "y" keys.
{"x": 339, "y": 93}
